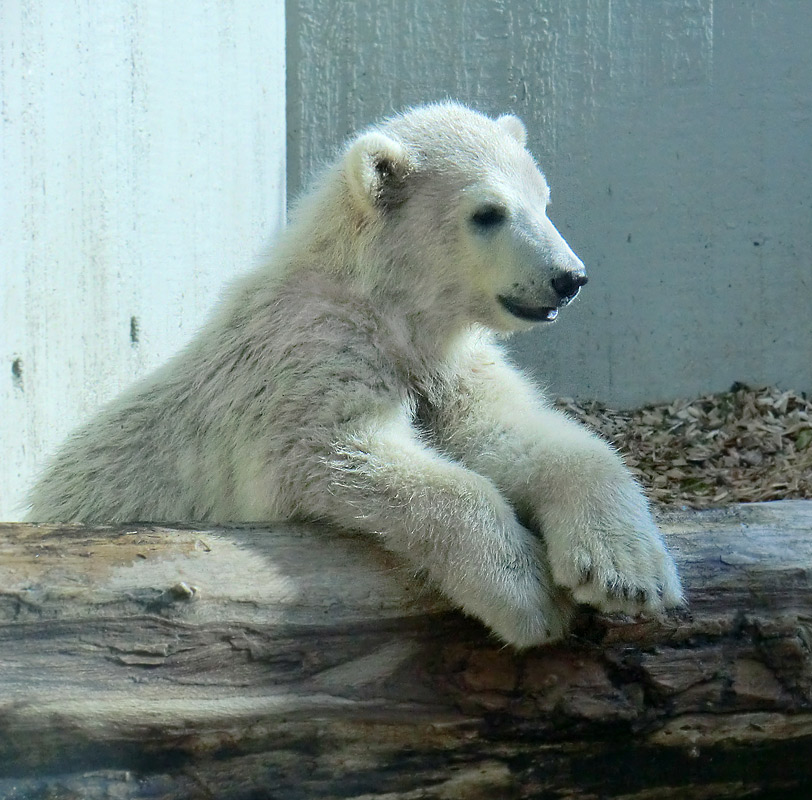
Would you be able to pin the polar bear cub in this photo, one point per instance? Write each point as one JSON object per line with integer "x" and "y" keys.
{"x": 354, "y": 379}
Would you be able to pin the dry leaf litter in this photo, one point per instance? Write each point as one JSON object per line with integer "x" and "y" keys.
{"x": 744, "y": 445}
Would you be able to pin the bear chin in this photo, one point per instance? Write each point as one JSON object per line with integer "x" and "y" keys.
{"x": 527, "y": 312}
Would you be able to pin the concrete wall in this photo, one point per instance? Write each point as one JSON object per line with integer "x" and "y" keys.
{"x": 677, "y": 138}
{"x": 142, "y": 162}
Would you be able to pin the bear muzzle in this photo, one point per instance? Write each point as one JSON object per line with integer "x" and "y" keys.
{"x": 565, "y": 285}
{"x": 527, "y": 312}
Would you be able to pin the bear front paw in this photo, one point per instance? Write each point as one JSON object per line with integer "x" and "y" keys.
{"x": 542, "y": 620}
{"x": 615, "y": 562}
{"x": 618, "y": 579}
{"x": 515, "y": 596}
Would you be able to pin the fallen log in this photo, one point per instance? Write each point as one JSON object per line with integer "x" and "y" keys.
{"x": 298, "y": 663}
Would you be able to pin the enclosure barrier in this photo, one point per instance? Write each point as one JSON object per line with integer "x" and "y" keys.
{"x": 299, "y": 663}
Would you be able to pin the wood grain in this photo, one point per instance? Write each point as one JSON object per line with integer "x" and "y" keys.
{"x": 296, "y": 662}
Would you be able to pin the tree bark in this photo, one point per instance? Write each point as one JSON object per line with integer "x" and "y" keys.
{"x": 293, "y": 662}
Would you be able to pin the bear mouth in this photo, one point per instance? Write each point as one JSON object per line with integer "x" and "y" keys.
{"x": 526, "y": 312}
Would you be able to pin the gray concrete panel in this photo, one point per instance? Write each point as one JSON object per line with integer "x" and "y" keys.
{"x": 676, "y": 136}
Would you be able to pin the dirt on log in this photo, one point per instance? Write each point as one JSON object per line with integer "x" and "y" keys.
{"x": 295, "y": 663}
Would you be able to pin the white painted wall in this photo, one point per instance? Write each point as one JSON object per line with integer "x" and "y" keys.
{"x": 142, "y": 165}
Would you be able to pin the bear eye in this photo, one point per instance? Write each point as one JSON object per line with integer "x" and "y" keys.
{"x": 488, "y": 217}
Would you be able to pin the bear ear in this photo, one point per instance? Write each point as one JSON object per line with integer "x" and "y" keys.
{"x": 376, "y": 168}
{"x": 514, "y": 126}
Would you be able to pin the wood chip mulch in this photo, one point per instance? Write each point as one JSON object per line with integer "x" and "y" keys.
{"x": 739, "y": 446}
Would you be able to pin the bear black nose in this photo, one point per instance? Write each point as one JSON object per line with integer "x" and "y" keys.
{"x": 567, "y": 284}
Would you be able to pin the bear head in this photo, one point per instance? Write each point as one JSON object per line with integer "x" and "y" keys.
{"x": 451, "y": 201}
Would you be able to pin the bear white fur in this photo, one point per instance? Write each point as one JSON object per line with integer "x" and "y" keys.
{"x": 354, "y": 379}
